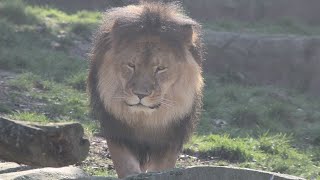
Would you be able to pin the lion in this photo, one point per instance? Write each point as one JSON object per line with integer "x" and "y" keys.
{"x": 145, "y": 84}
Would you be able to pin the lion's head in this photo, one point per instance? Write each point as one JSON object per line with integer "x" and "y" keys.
{"x": 148, "y": 64}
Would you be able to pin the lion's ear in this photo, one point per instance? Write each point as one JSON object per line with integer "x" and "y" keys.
{"x": 190, "y": 33}
{"x": 122, "y": 31}
{"x": 187, "y": 33}
{"x": 116, "y": 27}
{"x": 117, "y": 24}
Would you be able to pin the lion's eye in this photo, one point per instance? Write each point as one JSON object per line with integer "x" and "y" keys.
{"x": 131, "y": 65}
{"x": 161, "y": 69}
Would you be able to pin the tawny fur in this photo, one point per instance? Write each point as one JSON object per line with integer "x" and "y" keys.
{"x": 148, "y": 35}
{"x": 183, "y": 93}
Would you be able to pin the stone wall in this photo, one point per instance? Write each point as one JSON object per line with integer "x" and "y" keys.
{"x": 256, "y": 10}
{"x": 288, "y": 61}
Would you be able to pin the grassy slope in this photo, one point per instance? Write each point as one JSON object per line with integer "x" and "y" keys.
{"x": 254, "y": 120}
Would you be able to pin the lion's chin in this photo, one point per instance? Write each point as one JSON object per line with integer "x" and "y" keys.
{"x": 140, "y": 108}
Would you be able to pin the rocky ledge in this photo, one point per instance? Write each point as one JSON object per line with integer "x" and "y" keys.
{"x": 13, "y": 171}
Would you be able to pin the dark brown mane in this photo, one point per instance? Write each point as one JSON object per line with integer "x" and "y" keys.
{"x": 166, "y": 21}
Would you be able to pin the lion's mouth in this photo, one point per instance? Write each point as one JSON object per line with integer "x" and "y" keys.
{"x": 143, "y": 106}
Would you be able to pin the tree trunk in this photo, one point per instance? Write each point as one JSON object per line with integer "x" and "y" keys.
{"x": 53, "y": 145}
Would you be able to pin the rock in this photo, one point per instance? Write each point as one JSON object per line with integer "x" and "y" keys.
{"x": 12, "y": 167}
{"x": 219, "y": 123}
{"x": 285, "y": 60}
{"x": 41, "y": 28}
{"x": 102, "y": 178}
{"x": 55, "y": 45}
{"x": 40, "y": 174}
{"x": 210, "y": 173}
{"x": 52, "y": 145}
{"x": 191, "y": 173}
{"x": 81, "y": 49}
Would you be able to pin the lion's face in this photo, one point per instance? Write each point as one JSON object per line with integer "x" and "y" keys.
{"x": 146, "y": 76}
{"x": 147, "y": 79}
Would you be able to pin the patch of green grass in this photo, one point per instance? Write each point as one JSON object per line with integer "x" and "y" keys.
{"x": 78, "y": 80}
{"x": 91, "y": 127}
{"x": 61, "y": 101}
{"x": 279, "y": 111}
{"x": 245, "y": 117}
{"x": 272, "y": 153}
{"x": 81, "y": 28}
{"x": 65, "y": 102}
{"x": 282, "y": 157}
{"x": 251, "y": 110}
{"x": 63, "y": 17}
{"x": 30, "y": 117}
{"x": 100, "y": 171}
{"x": 43, "y": 61}
{"x": 274, "y": 144}
{"x": 28, "y": 81}
{"x": 81, "y": 23}
{"x": 4, "y": 108}
{"x": 15, "y": 11}
{"x": 7, "y": 33}
{"x": 28, "y": 49}
{"x": 220, "y": 146}
{"x": 315, "y": 154}
{"x": 37, "y": 57}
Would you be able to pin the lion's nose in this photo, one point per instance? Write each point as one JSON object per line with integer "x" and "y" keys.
{"x": 141, "y": 94}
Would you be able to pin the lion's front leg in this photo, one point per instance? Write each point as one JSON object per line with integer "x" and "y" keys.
{"x": 163, "y": 161}
{"x": 124, "y": 161}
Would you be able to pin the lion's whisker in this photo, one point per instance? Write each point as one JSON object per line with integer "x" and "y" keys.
{"x": 118, "y": 97}
{"x": 164, "y": 100}
{"x": 167, "y": 100}
{"x": 117, "y": 100}
{"x": 167, "y": 104}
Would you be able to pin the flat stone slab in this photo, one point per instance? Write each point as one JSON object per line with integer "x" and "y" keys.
{"x": 191, "y": 173}
{"x": 20, "y": 173}
{"x": 12, "y": 167}
{"x": 210, "y": 173}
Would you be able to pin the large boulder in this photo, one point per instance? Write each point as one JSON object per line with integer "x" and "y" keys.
{"x": 51, "y": 145}
{"x": 285, "y": 60}
{"x": 210, "y": 173}
{"x": 13, "y": 171}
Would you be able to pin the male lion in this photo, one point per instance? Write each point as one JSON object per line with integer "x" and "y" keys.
{"x": 145, "y": 84}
